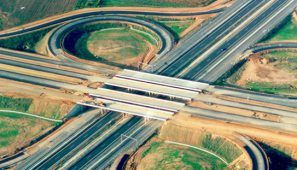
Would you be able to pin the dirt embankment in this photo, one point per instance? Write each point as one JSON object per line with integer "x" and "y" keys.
{"x": 260, "y": 69}
{"x": 229, "y": 128}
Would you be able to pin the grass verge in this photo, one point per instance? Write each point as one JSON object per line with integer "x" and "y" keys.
{"x": 16, "y": 104}
{"x": 86, "y": 4}
{"x": 17, "y": 131}
{"x": 285, "y": 31}
{"x": 160, "y": 155}
{"x": 26, "y": 42}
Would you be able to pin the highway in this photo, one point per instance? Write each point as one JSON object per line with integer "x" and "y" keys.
{"x": 59, "y": 139}
{"x": 96, "y": 152}
{"x": 256, "y": 96}
{"x": 202, "y": 39}
{"x": 78, "y": 142}
{"x": 169, "y": 62}
{"x": 222, "y": 59}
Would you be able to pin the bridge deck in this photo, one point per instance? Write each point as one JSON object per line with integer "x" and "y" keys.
{"x": 162, "y": 80}
{"x": 131, "y": 109}
{"x": 152, "y": 88}
{"x": 134, "y": 99}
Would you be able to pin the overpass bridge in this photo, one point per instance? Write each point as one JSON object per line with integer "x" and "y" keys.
{"x": 140, "y": 105}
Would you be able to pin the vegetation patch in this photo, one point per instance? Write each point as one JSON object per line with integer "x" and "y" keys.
{"x": 160, "y": 155}
{"x": 16, "y": 104}
{"x": 175, "y": 26}
{"x": 221, "y": 147}
{"x": 285, "y": 31}
{"x": 26, "y": 42}
{"x": 271, "y": 88}
{"x": 18, "y": 12}
{"x": 17, "y": 131}
{"x": 87, "y": 4}
{"x": 157, "y": 3}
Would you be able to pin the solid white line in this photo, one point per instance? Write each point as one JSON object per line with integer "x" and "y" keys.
{"x": 115, "y": 148}
{"x": 203, "y": 150}
{"x": 31, "y": 115}
{"x": 242, "y": 42}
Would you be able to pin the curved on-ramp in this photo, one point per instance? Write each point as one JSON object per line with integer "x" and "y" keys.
{"x": 273, "y": 46}
{"x": 56, "y": 39}
{"x": 256, "y": 153}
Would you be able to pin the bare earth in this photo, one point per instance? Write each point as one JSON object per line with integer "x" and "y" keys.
{"x": 261, "y": 70}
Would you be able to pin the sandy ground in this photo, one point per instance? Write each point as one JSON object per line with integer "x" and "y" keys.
{"x": 19, "y": 89}
{"x": 60, "y": 67}
{"x": 112, "y": 49}
{"x": 261, "y": 70}
{"x": 41, "y": 46}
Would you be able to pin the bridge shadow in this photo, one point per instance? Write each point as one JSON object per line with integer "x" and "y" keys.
{"x": 278, "y": 159}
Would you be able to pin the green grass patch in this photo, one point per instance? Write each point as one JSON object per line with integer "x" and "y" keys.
{"x": 26, "y": 42}
{"x": 171, "y": 156}
{"x": 1, "y": 24}
{"x": 221, "y": 147}
{"x": 86, "y": 4}
{"x": 178, "y": 26}
{"x": 156, "y": 3}
{"x": 12, "y": 126}
{"x": 4, "y": 144}
{"x": 16, "y": 104}
{"x": 151, "y": 149}
{"x": 285, "y": 31}
{"x": 175, "y": 26}
{"x": 12, "y": 115}
{"x": 271, "y": 88}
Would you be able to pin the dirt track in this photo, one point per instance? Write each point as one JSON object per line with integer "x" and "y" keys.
{"x": 227, "y": 128}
